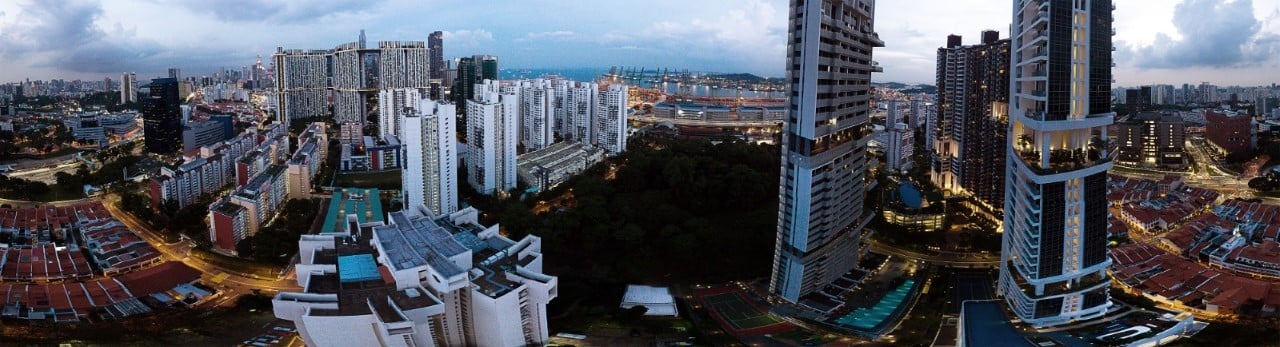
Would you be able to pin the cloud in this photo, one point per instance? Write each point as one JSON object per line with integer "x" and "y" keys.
{"x": 73, "y": 36}
{"x": 1214, "y": 34}
{"x": 751, "y": 37}
{"x": 546, "y": 35}
{"x": 466, "y": 40}
{"x": 275, "y": 10}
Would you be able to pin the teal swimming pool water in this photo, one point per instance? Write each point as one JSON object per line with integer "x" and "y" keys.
{"x": 869, "y": 318}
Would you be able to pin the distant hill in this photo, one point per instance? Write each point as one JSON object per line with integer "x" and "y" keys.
{"x": 908, "y": 88}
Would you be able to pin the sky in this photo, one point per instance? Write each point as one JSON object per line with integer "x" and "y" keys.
{"x": 1158, "y": 41}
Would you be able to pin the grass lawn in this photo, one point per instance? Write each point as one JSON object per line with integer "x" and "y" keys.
{"x": 382, "y": 180}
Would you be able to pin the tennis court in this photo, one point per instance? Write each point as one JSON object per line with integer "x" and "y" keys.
{"x": 737, "y": 312}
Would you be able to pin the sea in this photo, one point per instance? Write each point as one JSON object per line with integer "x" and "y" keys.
{"x": 590, "y": 74}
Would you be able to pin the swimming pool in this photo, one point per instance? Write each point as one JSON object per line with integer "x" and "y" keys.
{"x": 869, "y": 318}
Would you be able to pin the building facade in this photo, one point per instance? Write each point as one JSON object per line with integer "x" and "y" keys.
{"x": 610, "y": 121}
{"x": 821, "y": 216}
{"x": 972, "y": 121}
{"x": 1229, "y": 131}
{"x": 128, "y": 88}
{"x": 1054, "y": 247}
{"x": 162, "y": 117}
{"x": 301, "y": 84}
{"x": 1152, "y": 139}
{"x": 491, "y": 141}
{"x": 429, "y": 177}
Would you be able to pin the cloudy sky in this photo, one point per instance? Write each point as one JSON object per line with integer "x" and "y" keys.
{"x": 1159, "y": 41}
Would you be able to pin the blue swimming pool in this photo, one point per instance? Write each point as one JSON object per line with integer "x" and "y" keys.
{"x": 910, "y": 195}
{"x": 869, "y": 318}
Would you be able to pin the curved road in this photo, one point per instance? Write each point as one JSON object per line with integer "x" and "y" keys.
{"x": 180, "y": 251}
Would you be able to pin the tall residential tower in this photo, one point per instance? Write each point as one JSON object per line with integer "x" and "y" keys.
{"x": 972, "y": 121}
{"x": 1054, "y": 254}
{"x": 821, "y": 217}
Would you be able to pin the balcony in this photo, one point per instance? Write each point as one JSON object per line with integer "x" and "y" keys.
{"x": 1063, "y": 160}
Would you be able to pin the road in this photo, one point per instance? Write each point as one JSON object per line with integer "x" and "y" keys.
{"x": 234, "y": 283}
{"x": 947, "y": 259}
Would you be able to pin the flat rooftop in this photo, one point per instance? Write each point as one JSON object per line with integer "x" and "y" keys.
{"x": 357, "y": 268}
{"x": 364, "y": 203}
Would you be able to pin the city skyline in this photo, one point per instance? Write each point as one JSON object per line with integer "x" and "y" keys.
{"x": 92, "y": 39}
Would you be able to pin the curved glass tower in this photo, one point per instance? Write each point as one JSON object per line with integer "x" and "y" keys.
{"x": 1054, "y": 252}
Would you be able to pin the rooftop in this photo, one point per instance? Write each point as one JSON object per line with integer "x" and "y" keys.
{"x": 363, "y": 203}
{"x": 357, "y": 268}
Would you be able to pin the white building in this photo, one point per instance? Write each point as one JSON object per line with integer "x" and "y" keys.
{"x": 1054, "y": 251}
{"x": 393, "y": 104}
{"x": 899, "y": 147}
{"x": 536, "y": 124}
{"x": 821, "y": 219}
{"x": 491, "y": 136}
{"x": 128, "y": 88}
{"x": 429, "y": 177}
{"x": 448, "y": 281}
{"x": 611, "y": 120}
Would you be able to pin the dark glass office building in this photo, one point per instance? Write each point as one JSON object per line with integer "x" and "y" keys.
{"x": 162, "y": 117}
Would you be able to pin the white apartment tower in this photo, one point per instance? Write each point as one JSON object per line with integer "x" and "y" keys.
{"x": 429, "y": 177}
{"x": 491, "y": 136}
{"x": 537, "y": 115}
{"x": 1054, "y": 255}
{"x": 393, "y": 105}
{"x": 128, "y": 88}
{"x": 821, "y": 215}
{"x": 580, "y": 105}
{"x": 610, "y": 122}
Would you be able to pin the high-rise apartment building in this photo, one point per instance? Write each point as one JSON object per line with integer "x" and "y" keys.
{"x": 347, "y": 79}
{"x": 972, "y": 121}
{"x": 429, "y": 177}
{"x": 821, "y": 216}
{"x": 1054, "y": 260}
{"x": 393, "y": 105}
{"x": 162, "y": 117}
{"x": 175, "y": 73}
{"x": 610, "y": 123}
{"x": 302, "y": 82}
{"x": 128, "y": 88}
{"x": 537, "y": 123}
{"x": 419, "y": 279}
{"x": 491, "y": 137}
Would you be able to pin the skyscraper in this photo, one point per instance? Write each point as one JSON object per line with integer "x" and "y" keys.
{"x": 435, "y": 43}
{"x": 162, "y": 117}
{"x": 175, "y": 73}
{"x": 430, "y": 173}
{"x": 821, "y": 228}
{"x": 536, "y": 115}
{"x": 473, "y": 70}
{"x": 128, "y": 88}
{"x": 491, "y": 137}
{"x": 301, "y": 84}
{"x": 973, "y": 99}
{"x": 610, "y": 128}
{"x": 1054, "y": 252}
